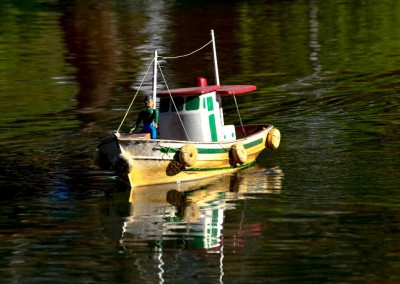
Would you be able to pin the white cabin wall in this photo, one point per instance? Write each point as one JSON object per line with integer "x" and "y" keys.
{"x": 170, "y": 127}
{"x": 196, "y": 126}
{"x": 197, "y": 122}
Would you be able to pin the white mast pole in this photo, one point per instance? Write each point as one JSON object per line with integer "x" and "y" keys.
{"x": 221, "y": 114}
{"x": 155, "y": 79}
{"x": 215, "y": 59}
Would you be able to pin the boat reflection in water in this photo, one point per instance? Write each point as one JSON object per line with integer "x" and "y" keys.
{"x": 192, "y": 212}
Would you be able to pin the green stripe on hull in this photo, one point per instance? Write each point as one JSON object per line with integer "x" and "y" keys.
{"x": 221, "y": 150}
{"x": 167, "y": 150}
{"x": 254, "y": 143}
{"x": 193, "y": 169}
{"x": 212, "y": 151}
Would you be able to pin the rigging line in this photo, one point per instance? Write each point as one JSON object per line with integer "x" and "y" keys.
{"x": 185, "y": 55}
{"x": 137, "y": 91}
{"x": 240, "y": 118}
{"x": 179, "y": 117}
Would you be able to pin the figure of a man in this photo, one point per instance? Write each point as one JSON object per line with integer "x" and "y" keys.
{"x": 149, "y": 117}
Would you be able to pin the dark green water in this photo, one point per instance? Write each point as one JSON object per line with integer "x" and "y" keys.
{"x": 323, "y": 208}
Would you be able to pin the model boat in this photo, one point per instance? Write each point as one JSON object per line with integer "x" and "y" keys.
{"x": 193, "y": 141}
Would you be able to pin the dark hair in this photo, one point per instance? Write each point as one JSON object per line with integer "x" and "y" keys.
{"x": 148, "y": 98}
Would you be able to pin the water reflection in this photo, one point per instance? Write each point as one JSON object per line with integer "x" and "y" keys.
{"x": 90, "y": 39}
{"x": 192, "y": 211}
{"x": 186, "y": 218}
{"x": 314, "y": 44}
{"x": 337, "y": 216}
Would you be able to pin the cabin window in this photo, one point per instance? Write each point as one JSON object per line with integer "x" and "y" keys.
{"x": 192, "y": 103}
{"x": 179, "y": 102}
{"x": 164, "y": 104}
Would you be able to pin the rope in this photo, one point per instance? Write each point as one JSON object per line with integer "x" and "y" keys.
{"x": 240, "y": 118}
{"x": 141, "y": 83}
{"x": 179, "y": 117}
{"x": 188, "y": 54}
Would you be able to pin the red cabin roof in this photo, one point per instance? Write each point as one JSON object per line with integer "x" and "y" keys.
{"x": 202, "y": 88}
{"x": 235, "y": 89}
{"x": 189, "y": 91}
{"x": 221, "y": 90}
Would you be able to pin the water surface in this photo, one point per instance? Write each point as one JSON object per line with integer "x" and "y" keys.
{"x": 322, "y": 208}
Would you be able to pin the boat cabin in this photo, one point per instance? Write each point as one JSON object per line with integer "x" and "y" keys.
{"x": 200, "y": 113}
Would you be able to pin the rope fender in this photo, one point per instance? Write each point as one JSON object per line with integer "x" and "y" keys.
{"x": 188, "y": 155}
{"x": 273, "y": 138}
{"x": 239, "y": 153}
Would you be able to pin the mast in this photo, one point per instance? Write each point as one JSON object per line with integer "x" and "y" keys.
{"x": 215, "y": 59}
{"x": 221, "y": 112}
{"x": 155, "y": 80}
